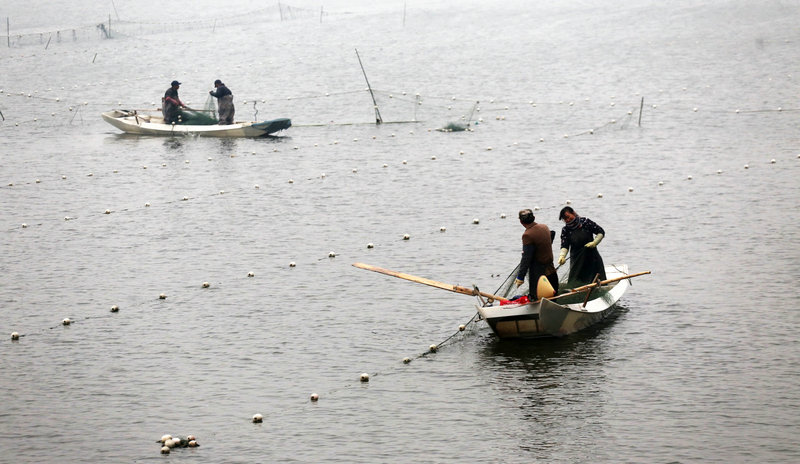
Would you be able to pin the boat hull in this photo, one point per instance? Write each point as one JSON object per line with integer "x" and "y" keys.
{"x": 142, "y": 124}
{"x": 547, "y": 318}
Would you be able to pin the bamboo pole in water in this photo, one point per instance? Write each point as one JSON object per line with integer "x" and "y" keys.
{"x": 641, "y": 107}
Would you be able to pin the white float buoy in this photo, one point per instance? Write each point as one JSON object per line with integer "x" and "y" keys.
{"x": 689, "y": 177}
{"x": 24, "y": 226}
{"x": 476, "y": 221}
{"x": 406, "y": 237}
{"x": 331, "y": 254}
{"x": 569, "y": 202}
{"x": 660, "y": 183}
{"x": 164, "y": 438}
{"x": 250, "y": 274}
{"x": 404, "y": 162}
{"x": 291, "y": 181}
{"x": 314, "y": 397}
{"x": 433, "y": 348}
{"x": 502, "y": 215}
{"x": 162, "y": 297}
{"x": 66, "y": 321}
{"x": 185, "y": 199}
{"x": 165, "y": 450}
{"x": 14, "y": 336}
{"x": 386, "y": 165}
{"x": 746, "y": 166}
{"x": 292, "y": 264}
{"x": 147, "y": 205}
{"x": 630, "y": 189}
{"x": 192, "y": 444}
{"x": 206, "y": 284}
{"x": 462, "y": 327}
{"x": 536, "y": 208}
{"x": 364, "y": 377}
{"x": 115, "y": 309}
{"x": 406, "y": 360}
{"x": 433, "y": 157}
{"x": 442, "y": 229}
{"x": 38, "y": 181}
{"x": 772, "y": 161}
{"x": 108, "y": 211}
{"x": 599, "y": 195}
{"x": 258, "y": 418}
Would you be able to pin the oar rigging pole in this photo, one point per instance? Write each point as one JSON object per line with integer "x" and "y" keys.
{"x": 378, "y": 119}
{"x": 432, "y": 283}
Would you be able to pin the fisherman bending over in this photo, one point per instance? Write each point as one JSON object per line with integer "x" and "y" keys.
{"x": 224, "y": 102}
{"x": 537, "y": 254}
{"x": 580, "y": 236}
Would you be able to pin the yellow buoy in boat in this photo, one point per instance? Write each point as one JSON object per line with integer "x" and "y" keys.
{"x": 544, "y": 289}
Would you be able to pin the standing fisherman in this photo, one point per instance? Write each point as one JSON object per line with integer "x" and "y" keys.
{"x": 171, "y": 104}
{"x": 580, "y": 236}
{"x": 537, "y": 254}
{"x": 224, "y": 102}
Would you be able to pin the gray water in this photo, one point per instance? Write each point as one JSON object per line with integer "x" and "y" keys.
{"x": 700, "y": 365}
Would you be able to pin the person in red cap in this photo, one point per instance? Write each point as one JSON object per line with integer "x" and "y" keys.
{"x": 224, "y": 102}
{"x": 172, "y": 104}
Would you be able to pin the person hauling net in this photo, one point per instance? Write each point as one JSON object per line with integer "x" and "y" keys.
{"x": 580, "y": 237}
{"x": 171, "y": 104}
{"x": 224, "y": 102}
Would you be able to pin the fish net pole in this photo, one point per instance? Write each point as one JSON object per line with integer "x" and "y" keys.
{"x": 378, "y": 119}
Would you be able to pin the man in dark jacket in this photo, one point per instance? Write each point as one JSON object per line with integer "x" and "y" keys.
{"x": 172, "y": 104}
{"x": 537, "y": 254}
{"x": 224, "y": 102}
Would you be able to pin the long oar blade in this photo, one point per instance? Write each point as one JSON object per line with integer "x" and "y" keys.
{"x": 432, "y": 283}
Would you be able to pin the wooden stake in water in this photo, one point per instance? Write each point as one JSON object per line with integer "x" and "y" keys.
{"x": 404, "y": 13}
{"x": 378, "y": 119}
{"x": 48, "y": 41}
{"x": 320, "y": 13}
{"x": 95, "y": 56}
{"x": 641, "y": 107}
{"x": 8, "y": 31}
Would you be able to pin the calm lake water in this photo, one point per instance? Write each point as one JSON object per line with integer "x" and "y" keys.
{"x": 700, "y": 365}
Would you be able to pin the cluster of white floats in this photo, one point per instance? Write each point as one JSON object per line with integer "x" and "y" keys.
{"x": 169, "y": 442}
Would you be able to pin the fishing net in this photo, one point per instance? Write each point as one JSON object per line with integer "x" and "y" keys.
{"x": 205, "y": 117}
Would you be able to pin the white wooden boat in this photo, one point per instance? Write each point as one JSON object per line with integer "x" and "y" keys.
{"x": 152, "y": 123}
{"x": 563, "y": 315}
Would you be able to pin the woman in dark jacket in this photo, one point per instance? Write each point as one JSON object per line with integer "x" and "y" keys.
{"x": 580, "y": 236}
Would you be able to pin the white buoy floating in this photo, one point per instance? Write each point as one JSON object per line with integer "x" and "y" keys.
{"x": 258, "y": 418}
{"x": 370, "y": 245}
{"x": 599, "y": 195}
{"x": 364, "y": 377}
{"x": 502, "y": 215}
{"x": 476, "y": 221}
{"x": 292, "y": 264}
{"x": 314, "y": 397}
{"x": 747, "y": 166}
{"x": 406, "y": 360}
{"x": 66, "y": 321}
{"x": 14, "y": 336}
{"x": 331, "y": 254}
{"x": 406, "y": 237}
{"x": 250, "y": 274}
{"x": 443, "y": 229}
{"x": 206, "y": 284}
{"x": 433, "y": 348}
{"x": 115, "y": 309}
{"x": 462, "y": 327}
{"x": 162, "y": 297}
{"x": 689, "y": 177}
{"x": 630, "y": 189}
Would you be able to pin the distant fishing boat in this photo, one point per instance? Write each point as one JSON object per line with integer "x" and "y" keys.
{"x": 152, "y": 123}
{"x": 563, "y": 314}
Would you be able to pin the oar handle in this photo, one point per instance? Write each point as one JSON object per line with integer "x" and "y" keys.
{"x": 598, "y": 284}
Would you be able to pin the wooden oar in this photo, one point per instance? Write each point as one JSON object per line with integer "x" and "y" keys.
{"x": 597, "y": 284}
{"x": 432, "y": 283}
